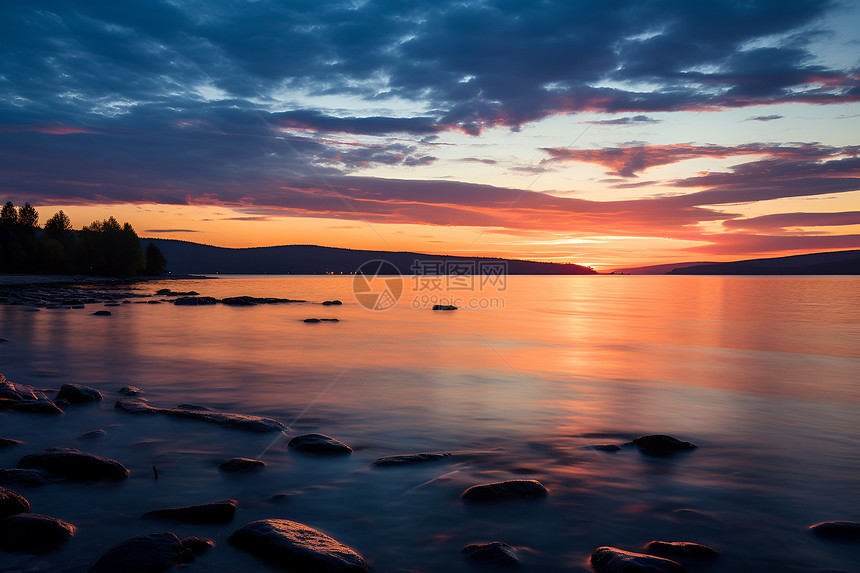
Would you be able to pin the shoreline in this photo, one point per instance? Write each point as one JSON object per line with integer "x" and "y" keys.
{"x": 12, "y": 280}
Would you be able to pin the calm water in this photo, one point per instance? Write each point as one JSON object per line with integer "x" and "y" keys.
{"x": 762, "y": 373}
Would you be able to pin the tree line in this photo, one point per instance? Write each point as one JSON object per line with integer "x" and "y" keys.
{"x": 103, "y": 248}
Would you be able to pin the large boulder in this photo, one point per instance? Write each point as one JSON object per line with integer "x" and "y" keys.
{"x": 661, "y": 445}
{"x": 510, "y": 490}
{"x": 79, "y": 394}
{"x": 33, "y": 533}
{"x": 409, "y": 459}
{"x": 12, "y": 502}
{"x": 318, "y": 444}
{"x": 297, "y": 547}
{"x": 244, "y": 422}
{"x": 614, "y": 560}
{"x": 216, "y": 512}
{"x": 144, "y": 554}
{"x": 75, "y": 465}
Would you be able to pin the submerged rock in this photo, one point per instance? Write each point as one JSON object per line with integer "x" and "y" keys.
{"x": 408, "y": 459}
{"x": 144, "y": 554}
{"x": 130, "y": 390}
{"x": 444, "y": 307}
{"x": 680, "y": 549}
{"x": 838, "y": 530}
{"x": 17, "y": 476}
{"x": 216, "y": 512}
{"x": 661, "y": 445}
{"x": 509, "y": 490}
{"x": 74, "y": 465}
{"x": 318, "y": 444}
{"x": 12, "y": 502}
{"x": 225, "y": 419}
{"x": 33, "y": 533}
{"x": 194, "y": 301}
{"x": 234, "y": 465}
{"x": 92, "y": 434}
{"x": 8, "y": 443}
{"x": 605, "y": 447}
{"x": 37, "y": 407}
{"x": 494, "y": 554}
{"x": 613, "y": 560}
{"x": 197, "y": 545}
{"x": 297, "y": 547}
{"x": 331, "y": 302}
{"x": 102, "y": 313}
{"x": 253, "y": 300}
{"x": 78, "y": 394}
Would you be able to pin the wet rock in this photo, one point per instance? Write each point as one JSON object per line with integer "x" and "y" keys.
{"x": 17, "y": 476}
{"x": 144, "y": 554}
{"x": 837, "y": 530}
{"x": 62, "y": 403}
{"x": 79, "y": 394}
{"x": 8, "y": 443}
{"x": 194, "y": 407}
{"x": 37, "y": 407}
{"x": 312, "y": 320}
{"x": 297, "y": 547}
{"x": 494, "y": 554}
{"x": 33, "y": 533}
{"x": 318, "y": 444}
{"x": 130, "y": 391}
{"x": 225, "y": 419}
{"x": 613, "y": 560}
{"x": 194, "y": 301}
{"x": 408, "y": 459}
{"x": 253, "y": 300}
{"x": 234, "y": 465}
{"x": 661, "y": 445}
{"x": 102, "y": 313}
{"x": 331, "y": 303}
{"x": 604, "y": 448}
{"x": 74, "y": 465}
{"x": 12, "y": 502}
{"x": 197, "y": 545}
{"x": 680, "y": 549}
{"x": 168, "y": 292}
{"x": 444, "y": 307}
{"x": 510, "y": 490}
{"x": 92, "y": 435}
{"x": 216, "y": 512}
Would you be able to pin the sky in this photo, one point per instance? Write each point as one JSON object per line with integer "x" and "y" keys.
{"x": 609, "y": 134}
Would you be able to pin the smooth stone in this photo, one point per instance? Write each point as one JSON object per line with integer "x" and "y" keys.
{"x": 216, "y": 512}
{"x": 234, "y": 465}
{"x": 17, "y": 476}
{"x": 12, "y": 502}
{"x": 408, "y": 459}
{"x": 74, "y": 465}
{"x": 194, "y": 407}
{"x": 37, "y": 407}
{"x": 78, "y": 394}
{"x": 228, "y": 420}
{"x": 331, "y": 302}
{"x": 297, "y": 547}
{"x": 34, "y": 533}
{"x": 102, "y": 313}
{"x": 194, "y": 301}
{"x": 62, "y": 403}
{"x": 144, "y": 554}
{"x": 9, "y": 442}
{"x": 509, "y": 490}
{"x": 318, "y": 444}
{"x": 613, "y": 560}
{"x": 253, "y": 300}
{"x": 92, "y": 434}
{"x": 839, "y": 530}
{"x": 661, "y": 445}
{"x": 494, "y": 554}
{"x": 168, "y": 292}
{"x": 680, "y": 549}
{"x": 444, "y": 307}
{"x": 130, "y": 390}
{"x": 197, "y": 545}
{"x": 312, "y": 320}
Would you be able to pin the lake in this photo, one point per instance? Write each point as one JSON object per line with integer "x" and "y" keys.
{"x": 761, "y": 373}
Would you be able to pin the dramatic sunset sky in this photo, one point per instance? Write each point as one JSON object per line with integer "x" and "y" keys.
{"x": 605, "y": 133}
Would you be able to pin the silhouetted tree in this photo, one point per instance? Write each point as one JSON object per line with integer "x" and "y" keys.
{"x": 28, "y": 217}
{"x": 8, "y": 215}
{"x": 58, "y": 226}
{"x": 155, "y": 261}
{"x": 105, "y": 248}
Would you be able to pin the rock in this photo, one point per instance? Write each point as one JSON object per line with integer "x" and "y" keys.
{"x": 197, "y": 545}
{"x": 225, "y": 419}
{"x": 12, "y": 502}
{"x": 494, "y": 554}
{"x": 37, "y": 407}
{"x": 194, "y": 301}
{"x": 144, "y": 554}
{"x": 234, "y": 465}
{"x": 216, "y": 512}
{"x": 297, "y": 547}
{"x": 168, "y": 292}
{"x": 318, "y": 444}
{"x": 331, "y": 302}
{"x": 509, "y": 490}
{"x": 62, "y": 403}
{"x": 8, "y": 443}
{"x": 408, "y": 459}
{"x": 838, "y": 530}
{"x": 79, "y": 394}
{"x": 604, "y": 448}
{"x": 16, "y": 476}
{"x": 444, "y": 307}
{"x": 253, "y": 300}
{"x": 312, "y": 320}
{"x": 613, "y": 560}
{"x": 33, "y": 533}
{"x": 680, "y": 549}
{"x": 74, "y": 465}
{"x": 92, "y": 434}
{"x": 130, "y": 390}
{"x": 194, "y": 407}
{"x": 661, "y": 445}
{"x": 102, "y": 313}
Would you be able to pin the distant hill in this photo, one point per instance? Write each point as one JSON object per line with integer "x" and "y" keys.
{"x": 184, "y": 257}
{"x": 659, "y": 269}
{"x": 832, "y": 263}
